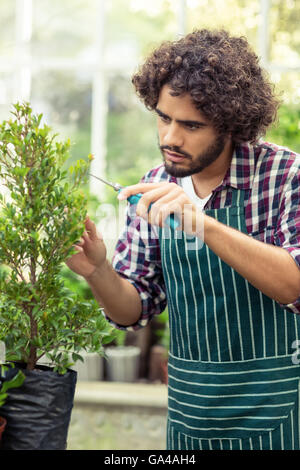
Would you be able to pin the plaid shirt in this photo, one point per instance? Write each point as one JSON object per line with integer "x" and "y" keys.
{"x": 270, "y": 178}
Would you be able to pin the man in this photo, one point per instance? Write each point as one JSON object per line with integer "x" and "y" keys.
{"x": 233, "y": 303}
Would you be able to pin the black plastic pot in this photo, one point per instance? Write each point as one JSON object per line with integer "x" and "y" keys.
{"x": 38, "y": 413}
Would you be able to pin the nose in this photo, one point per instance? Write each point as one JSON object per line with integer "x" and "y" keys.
{"x": 172, "y": 136}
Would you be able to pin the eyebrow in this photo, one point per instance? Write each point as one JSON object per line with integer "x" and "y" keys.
{"x": 180, "y": 121}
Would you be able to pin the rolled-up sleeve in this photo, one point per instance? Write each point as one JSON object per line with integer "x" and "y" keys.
{"x": 288, "y": 228}
{"x": 137, "y": 258}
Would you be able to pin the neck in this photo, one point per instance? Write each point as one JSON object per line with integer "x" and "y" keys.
{"x": 209, "y": 178}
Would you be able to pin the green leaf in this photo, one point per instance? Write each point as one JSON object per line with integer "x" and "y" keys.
{"x": 15, "y": 382}
{"x": 3, "y": 397}
{"x": 77, "y": 357}
{"x": 21, "y": 171}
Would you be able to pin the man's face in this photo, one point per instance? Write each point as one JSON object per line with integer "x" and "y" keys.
{"x": 187, "y": 140}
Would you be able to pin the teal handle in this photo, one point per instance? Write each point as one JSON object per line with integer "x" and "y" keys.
{"x": 171, "y": 220}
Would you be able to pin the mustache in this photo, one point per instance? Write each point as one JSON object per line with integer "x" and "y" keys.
{"x": 175, "y": 149}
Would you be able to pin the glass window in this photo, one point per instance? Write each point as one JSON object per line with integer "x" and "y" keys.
{"x": 64, "y": 28}
{"x": 6, "y": 94}
{"x": 7, "y": 29}
{"x": 64, "y": 98}
{"x": 239, "y": 17}
{"x": 285, "y": 33}
{"x": 132, "y": 147}
{"x": 142, "y": 22}
{"x": 133, "y": 29}
{"x": 287, "y": 84}
{"x": 63, "y": 54}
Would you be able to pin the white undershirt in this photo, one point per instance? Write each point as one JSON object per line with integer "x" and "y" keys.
{"x": 188, "y": 187}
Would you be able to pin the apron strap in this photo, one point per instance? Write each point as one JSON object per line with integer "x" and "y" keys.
{"x": 238, "y": 197}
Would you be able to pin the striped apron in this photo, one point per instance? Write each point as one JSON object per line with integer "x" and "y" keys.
{"x": 232, "y": 381}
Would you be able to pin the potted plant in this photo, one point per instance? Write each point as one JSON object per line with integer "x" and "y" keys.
{"x": 123, "y": 360}
{"x": 9, "y": 378}
{"x": 40, "y": 318}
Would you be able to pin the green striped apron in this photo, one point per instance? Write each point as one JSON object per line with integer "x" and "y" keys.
{"x": 232, "y": 382}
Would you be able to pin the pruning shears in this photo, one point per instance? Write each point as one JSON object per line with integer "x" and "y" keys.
{"x": 171, "y": 220}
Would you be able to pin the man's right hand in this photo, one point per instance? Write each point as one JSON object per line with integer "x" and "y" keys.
{"x": 91, "y": 252}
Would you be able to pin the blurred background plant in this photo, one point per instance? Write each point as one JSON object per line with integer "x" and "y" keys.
{"x": 287, "y": 131}
{"x": 162, "y": 331}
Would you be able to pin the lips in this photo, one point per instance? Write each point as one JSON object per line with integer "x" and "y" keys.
{"x": 174, "y": 157}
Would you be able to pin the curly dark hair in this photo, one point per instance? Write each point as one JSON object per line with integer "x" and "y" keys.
{"x": 222, "y": 75}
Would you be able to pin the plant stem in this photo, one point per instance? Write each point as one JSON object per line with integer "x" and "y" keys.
{"x": 32, "y": 360}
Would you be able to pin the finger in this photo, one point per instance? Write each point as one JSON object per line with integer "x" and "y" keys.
{"x": 159, "y": 214}
{"x": 86, "y": 236}
{"x": 80, "y": 242}
{"x": 78, "y": 248}
{"x": 157, "y": 197}
{"x": 173, "y": 202}
{"x": 137, "y": 188}
{"x": 91, "y": 233}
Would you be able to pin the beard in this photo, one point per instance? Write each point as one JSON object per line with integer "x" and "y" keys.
{"x": 197, "y": 164}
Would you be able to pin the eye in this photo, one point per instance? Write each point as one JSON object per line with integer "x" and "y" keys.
{"x": 192, "y": 127}
{"x": 164, "y": 119}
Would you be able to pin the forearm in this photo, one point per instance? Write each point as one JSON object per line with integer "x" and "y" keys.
{"x": 269, "y": 268}
{"x": 116, "y": 295}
